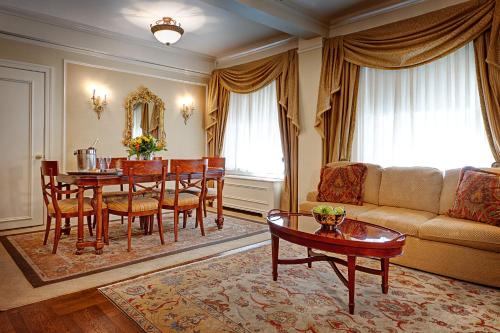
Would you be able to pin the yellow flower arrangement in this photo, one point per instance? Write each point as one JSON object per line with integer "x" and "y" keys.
{"x": 144, "y": 146}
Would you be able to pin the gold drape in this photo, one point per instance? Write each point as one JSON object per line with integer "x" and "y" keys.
{"x": 247, "y": 78}
{"x": 145, "y": 119}
{"x": 155, "y": 122}
{"x": 403, "y": 44}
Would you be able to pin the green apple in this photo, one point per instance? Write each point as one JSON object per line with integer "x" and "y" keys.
{"x": 323, "y": 209}
{"x": 339, "y": 210}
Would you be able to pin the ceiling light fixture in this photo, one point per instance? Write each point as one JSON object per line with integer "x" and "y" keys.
{"x": 167, "y": 30}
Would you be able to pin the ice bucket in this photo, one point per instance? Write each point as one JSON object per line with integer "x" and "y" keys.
{"x": 86, "y": 159}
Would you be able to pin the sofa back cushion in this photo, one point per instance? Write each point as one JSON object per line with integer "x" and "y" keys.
{"x": 411, "y": 187}
{"x": 478, "y": 196}
{"x": 371, "y": 185}
{"x": 450, "y": 184}
{"x": 342, "y": 183}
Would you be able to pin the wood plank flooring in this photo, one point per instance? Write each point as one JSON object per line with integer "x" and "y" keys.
{"x": 84, "y": 311}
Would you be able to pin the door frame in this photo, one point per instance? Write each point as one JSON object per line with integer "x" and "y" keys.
{"x": 47, "y": 72}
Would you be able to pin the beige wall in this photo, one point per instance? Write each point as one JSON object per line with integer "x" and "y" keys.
{"x": 113, "y": 120}
{"x": 82, "y": 125}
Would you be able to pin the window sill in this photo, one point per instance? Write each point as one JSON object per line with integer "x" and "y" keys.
{"x": 257, "y": 178}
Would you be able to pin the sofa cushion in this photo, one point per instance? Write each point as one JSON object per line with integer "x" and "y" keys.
{"x": 404, "y": 220}
{"x": 342, "y": 183}
{"x": 352, "y": 211}
{"x": 411, "y": 187}
{"x": 468, "y": 233}
{"x": 372, "y": 182}
{"x": 478, "y": 197}
{"x": 450, "y": 184}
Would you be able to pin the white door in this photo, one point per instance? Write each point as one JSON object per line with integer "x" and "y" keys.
{"x": 22, "y": 122}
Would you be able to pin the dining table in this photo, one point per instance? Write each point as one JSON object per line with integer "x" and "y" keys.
{"x": 97, "y": 181}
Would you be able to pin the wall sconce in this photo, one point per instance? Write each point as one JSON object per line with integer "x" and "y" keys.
{"x": 187, "y": 109}
{"x": 98, "y": 104}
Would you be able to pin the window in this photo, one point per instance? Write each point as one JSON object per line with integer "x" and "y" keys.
{"x": 252, "y": 144}
{"x": 428, "y": 115}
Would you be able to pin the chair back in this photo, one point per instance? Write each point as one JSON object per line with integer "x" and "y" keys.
{"x": 135, "y": 170}
{"x": 49, "y": 170}
{"x": 216, "y": 162}
{"x": 184, "y": 180}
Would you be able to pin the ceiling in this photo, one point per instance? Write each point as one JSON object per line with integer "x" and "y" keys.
{"x": 212, "y": 27}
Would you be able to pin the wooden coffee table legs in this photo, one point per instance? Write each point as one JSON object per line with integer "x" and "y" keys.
{"x": 275, "y": 243}
{"x": 349, "y": 282}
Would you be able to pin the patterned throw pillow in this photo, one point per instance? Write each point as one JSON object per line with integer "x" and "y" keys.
{"x": 342, "y": 183}
{"x": 477, "y": 197}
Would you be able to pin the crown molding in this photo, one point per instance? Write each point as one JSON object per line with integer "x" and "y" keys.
{"x": 363, "y": 14}
{"x": 80, "y": 27}
{"x": 306, "y": 45}
{"x": 257, "y": 51}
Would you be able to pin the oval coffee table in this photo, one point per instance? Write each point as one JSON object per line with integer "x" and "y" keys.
{"x": 353, "y": 239}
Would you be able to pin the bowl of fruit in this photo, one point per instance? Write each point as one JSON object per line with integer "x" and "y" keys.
{"x": 329, "y": 217}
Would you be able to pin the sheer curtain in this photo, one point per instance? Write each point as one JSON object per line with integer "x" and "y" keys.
{"x": 428, "y": 115}
{"x": 252, "y": 143}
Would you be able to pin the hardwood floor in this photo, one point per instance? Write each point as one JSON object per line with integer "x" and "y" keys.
{"x": 84, "y": 311}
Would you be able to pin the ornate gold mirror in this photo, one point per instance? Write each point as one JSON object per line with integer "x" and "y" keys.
{"x": 145, "y": 112}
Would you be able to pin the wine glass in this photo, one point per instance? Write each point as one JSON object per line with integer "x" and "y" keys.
{"x": 108, "y": 162}
{"x": 102, "y": 164}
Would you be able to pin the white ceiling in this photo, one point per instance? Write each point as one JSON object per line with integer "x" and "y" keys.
{"x": 212, "y": 27}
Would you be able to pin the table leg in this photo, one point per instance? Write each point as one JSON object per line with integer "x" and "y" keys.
{"x": 79, "y": 243}
{"x": 309, "y": 264}
{"x": 275, "y": 242}
{"x": 220, "y": 217}
{"x": 99, "y": 244}
{"x": 351, "y": 273}
{"x": 384, "y": 266}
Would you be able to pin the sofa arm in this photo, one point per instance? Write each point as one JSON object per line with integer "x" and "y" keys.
{"x": 312, "y": 196}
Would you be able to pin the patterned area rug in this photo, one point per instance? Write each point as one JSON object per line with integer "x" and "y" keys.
{"x": 236, "y": 294}
{"x": 41, "y": 267}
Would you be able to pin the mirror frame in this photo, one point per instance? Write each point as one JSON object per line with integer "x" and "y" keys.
{"x": 143, "y": 95}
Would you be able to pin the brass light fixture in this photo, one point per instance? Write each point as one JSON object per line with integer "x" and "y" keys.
{"x": 98, "y": 104}
{"x": 167, "y": 31}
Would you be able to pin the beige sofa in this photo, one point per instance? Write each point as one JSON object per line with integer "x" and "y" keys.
{"x": 414, "y": 201}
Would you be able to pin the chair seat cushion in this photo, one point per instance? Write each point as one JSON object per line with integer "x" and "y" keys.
{"x": 114, "y": 194}
{"x": 468, "y": 233}
{"x": 404, "y": 220}
{"x": 211, "y": 192}
{"x": 69, "y": 206}
{"x": 352, "y": 211}
{"x": 185, "y": 199}
{"x": 139, "y": 204}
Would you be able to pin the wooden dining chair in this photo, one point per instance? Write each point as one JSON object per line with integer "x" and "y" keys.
{"x": 211, "y": 192}
{"x": 59, "y": 208}
{"x": 180, "y": 199}
{"x": 144, "y": 201}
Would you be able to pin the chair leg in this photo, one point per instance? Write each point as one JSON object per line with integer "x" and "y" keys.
{"x": 145, "y": 224}
{"x": 199, "y": 217}
{"x": 160, "y": 228}
{"x": 89, "y": 224}
{"x": 196, "y": 222}
{"x": 47, "y": 229}
{"x": 204, "y": 208}
{"x": 129, "y": 233}
{"x": 95, "y": 222}
{"x": 57, "y": 234}
{"x": 184, "y": 219}
{"x": 151, "y": 223}
{"x": 122, "y": 219}
{"x": 176, "y": 225}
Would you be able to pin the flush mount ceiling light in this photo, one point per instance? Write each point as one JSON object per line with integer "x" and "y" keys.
{"x": 167, "y": 30}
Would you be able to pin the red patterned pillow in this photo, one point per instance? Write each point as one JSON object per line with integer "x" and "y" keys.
{"x": 342, "y": 183}
{"x": 477, "y": 197}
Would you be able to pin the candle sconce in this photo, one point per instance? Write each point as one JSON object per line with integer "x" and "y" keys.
{"x": 98, "y": 104}
{"x": 187, "y": 111}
